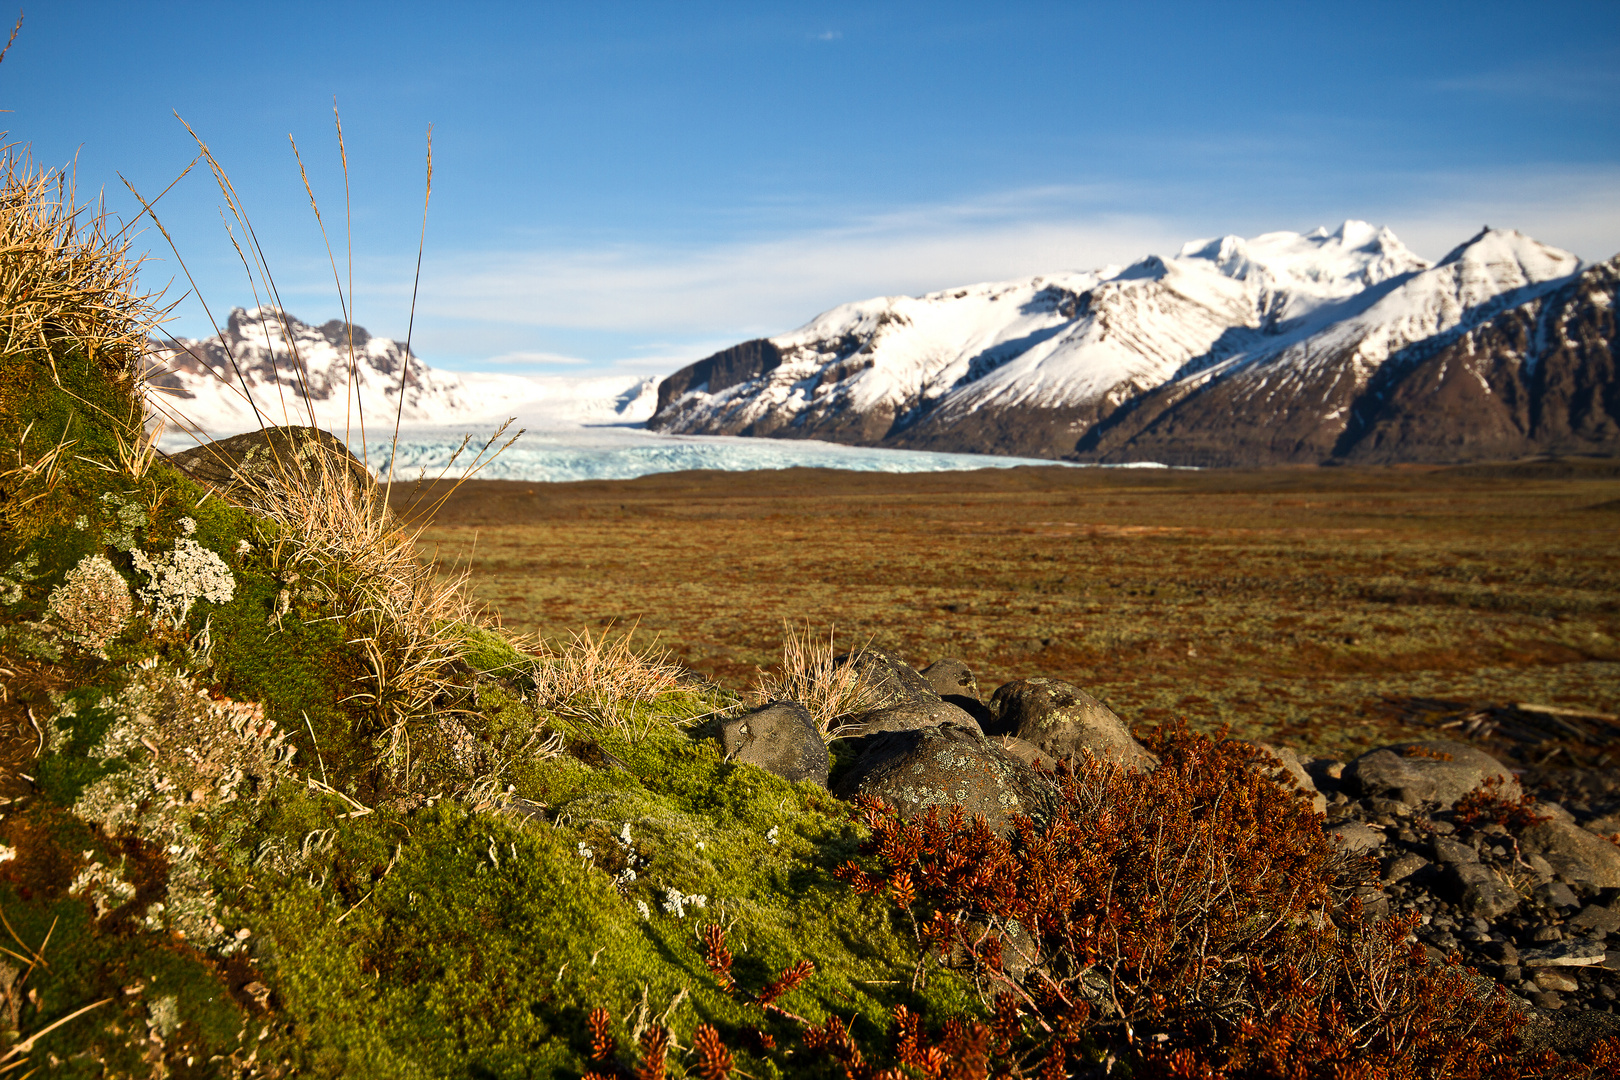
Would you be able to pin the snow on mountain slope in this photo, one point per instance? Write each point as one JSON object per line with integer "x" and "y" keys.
{"x": 1054, "y": 341}
{"x": 1293, "y": 398}
{"x": 1051, "y": 365}
{"x": 267, "y": 365}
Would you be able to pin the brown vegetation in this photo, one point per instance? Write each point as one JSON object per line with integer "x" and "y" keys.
{"x": 1281, "y": 602}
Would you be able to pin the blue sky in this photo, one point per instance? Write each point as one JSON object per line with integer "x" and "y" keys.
{"x": 629, "y": 186}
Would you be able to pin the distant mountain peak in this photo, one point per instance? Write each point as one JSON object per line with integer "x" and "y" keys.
{"x": 1252, "y": 349}
{"x": 268, "y": 366}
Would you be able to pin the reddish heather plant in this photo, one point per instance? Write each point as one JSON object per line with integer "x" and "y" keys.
{"x": 1488, "y": 805}
{"x": 1193, "y": 920}
{"x": 1189, "y": 922}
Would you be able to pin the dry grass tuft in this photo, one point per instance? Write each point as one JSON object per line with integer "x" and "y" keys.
{"x": 66, "y": 282}
{"x": 67, "y": 288}
{"x": 603, "y": 681}
{"x": 337, "y": 542}
{"x": 831, "y": 692}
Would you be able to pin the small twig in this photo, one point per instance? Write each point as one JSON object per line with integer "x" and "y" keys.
{"x": 37, "y": 731}
{"x": 28, "y": 1044}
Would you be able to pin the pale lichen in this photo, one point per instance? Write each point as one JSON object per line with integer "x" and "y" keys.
{"x": 16, "y": 576}
{"x": 92, "y": 603}
{"x": 181, "y": 577}
{"x": 187, "y": 756}
{"x": 103, "y": 886}
{"x": 128, "y": 516}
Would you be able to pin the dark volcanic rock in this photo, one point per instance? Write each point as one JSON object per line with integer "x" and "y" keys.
{"x": 1577, "y": 856}
{"x": 725, "y": 369}
{"x": 1438, "y": 772}
{"x": 892, "y": 676}
{"x": 953, "y": 680}
{"x": 946, "y": 766}
{"x": 949, "y": 677}
{"x": 1355, "y": 838}
{"x": 780, "y": 738}
{"x": 909, "y": 716}
{"x": 1477, "y": 891}
{"x": 1063, "y": 719}
{"x": 237, "y": 465}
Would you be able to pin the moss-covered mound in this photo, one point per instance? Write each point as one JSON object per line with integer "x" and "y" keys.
{"x": 276, "y": 804}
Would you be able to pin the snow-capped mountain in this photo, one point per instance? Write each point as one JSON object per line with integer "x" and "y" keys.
{"x": 267, "y": 366}
{"x": 1235, "y": 351}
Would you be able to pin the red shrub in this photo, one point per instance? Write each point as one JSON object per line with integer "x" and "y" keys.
{"x": 1487, "y": 805}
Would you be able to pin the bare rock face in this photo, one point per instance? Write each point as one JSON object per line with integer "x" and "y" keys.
{"x": 236, "y": 466}
{"x": 780, "y": 738}
{"x": 1062, "y": 720}
{"x": 949, "y": 676}
{"x": 909, "y": 716}
{"x": 1438, "y": 772}
{"x": 1576, "y": 856}
{"x": 946, "y": 766}
{"x": 1355, "y": 838}
{"x": 953, "y": 680}
{"x": 1470, "y": 884}
{"x": 893, "y": 677}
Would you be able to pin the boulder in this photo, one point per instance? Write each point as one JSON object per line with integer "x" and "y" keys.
{"x": 953, "y": 680}
{"x": 946, "y": 766}
{"x": 1595, "y": 918}
{"x": 780, "y": 738}
{"x": 1438, "y": 772}
{"x": 908, "y": 716}
{"x": 950, "y": 677}
{"x": 1555, "y": 894}
{"x": 1577, "y": 857}
{"x": 1476, "y": 889}
{"x": 891, "y": 676}
{"x": 236, "y": 467}
{"x": 1062, "y": 720}
{"x": 1407, "y": 866}
{"x": 1294, "y": 767}
{"x": 1354, "y": 838}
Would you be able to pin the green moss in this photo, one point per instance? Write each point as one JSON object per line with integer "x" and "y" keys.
{"x": 88, "y": 961}
{"x": 490, "y": 653}
{"x": 486, "y": 940}
{"x": 69, "y": 766}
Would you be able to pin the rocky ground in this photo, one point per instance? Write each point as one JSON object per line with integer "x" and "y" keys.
{"x": 1513, "y": 871}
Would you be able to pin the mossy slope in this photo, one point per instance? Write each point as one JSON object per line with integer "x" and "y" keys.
{"x": 214, "y": 840}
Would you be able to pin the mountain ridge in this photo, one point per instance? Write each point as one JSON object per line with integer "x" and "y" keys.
{"x": 1234, "y": 352}
{"x": 257, "y": 369}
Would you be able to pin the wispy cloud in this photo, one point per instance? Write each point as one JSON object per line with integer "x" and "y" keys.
{"x": 829, "y": 35}
{"x": 650, "y": 308}
{"x": 537, "y": 359}
{"x": 1589, "y": 79}
{"x": 771, "y": 284}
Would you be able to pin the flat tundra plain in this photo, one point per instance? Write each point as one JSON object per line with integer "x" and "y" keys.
{"x": 1330, "y": 609}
